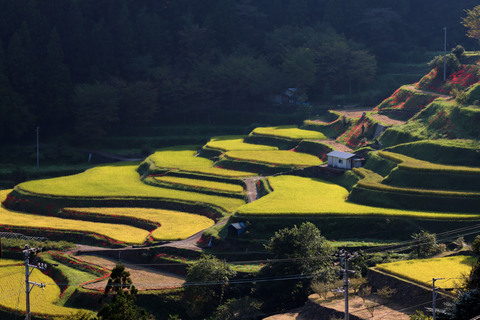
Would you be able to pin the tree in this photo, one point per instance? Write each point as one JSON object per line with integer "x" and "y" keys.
{"x": 205, "y": 286}
{"x": 452, "y": 64}
{"x": 419, "y": 315}
{"x": 467, "y": 306}
{"x": 425, "y": 243}
{"x": 122, "y": 305}
{"x": 96, "y": 107}
{"x": 473, "y": 281}
{"x": 476, "y": 245}
{"x": 472, "y": 22}
{"x": 300, "y": 67}
{"x": 302, "y": 253}
{"x": 243, "y": 308}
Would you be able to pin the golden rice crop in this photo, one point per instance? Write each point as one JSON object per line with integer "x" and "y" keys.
{"x": 118, "y": 181}
{"x": 222, "y": 186}
{"x": 118, "y": 232}
{"x": 179, "y": 159}
{"x": 289, "y": 132}
{"x": 12, "y": 292}
{"x": 294, "y": 195}
{"x": 9, "y": 262}
{"x": 235, "y": 143}
{"x": 278, "y": 157}
{"x": 221, "y": 172}
{"x": 424, "y": 270}
{"x": 175, "y": 225}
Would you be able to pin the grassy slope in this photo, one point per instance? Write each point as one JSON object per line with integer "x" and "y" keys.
{"x": 307, "y": 196}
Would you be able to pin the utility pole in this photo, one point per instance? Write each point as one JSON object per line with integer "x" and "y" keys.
{"x": 445, "y": 55}
{"x": 345, "y": 256}
{"x": 434, "y": 290}
{"x": 28, "y": 272}
{"x": 38, "y": 149}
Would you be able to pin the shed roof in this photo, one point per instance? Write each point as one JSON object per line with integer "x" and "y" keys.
{"x": 341, "y": 155}
{"x": 238, "y": 225}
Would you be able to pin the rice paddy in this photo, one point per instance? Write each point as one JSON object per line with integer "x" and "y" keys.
{"x": 289, "y": 132}
{"x": 422, "y": 271}
{"x": 12, "y": 296}
{"x": 175, "y": 225}
{"x": 117, "y": 181}
{"x": 307, "y": 196}
{"x": 118, "y": 232}
{"x": 277, "y": 157}
{"x": 221, "y": 186}
{"x": 235, "y": 143}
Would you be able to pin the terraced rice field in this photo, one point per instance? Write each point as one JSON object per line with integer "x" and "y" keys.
{"x": 175, "y": 225}
{"x": 423, "y": 271}
{"x": 408, "y": 163}
{"x": 179, "y": 158}
{"x": 221, "y": 172}
{"x": 220, "y": 186}
{"x": 307, "y": 196}
{"x": 118, "y": 232}
{"x": 117, "y": 181}
{"x": 289, "y": 132}
{"x": 280, "y": 157}
{"x": 235, "y": 143}
{"x": 12, "y": 297}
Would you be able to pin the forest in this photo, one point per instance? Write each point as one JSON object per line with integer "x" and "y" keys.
{"x": 82, "y": 67}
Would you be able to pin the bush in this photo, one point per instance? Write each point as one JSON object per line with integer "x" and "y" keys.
{"x": 476, "y": 245}
{"x": 459, "y": 51}
{"x": 452, "y": 64}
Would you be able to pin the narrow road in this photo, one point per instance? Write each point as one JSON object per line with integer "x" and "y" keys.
{"x": 252, "y": 193}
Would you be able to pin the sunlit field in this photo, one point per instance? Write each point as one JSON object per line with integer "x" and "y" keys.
{"x": 12, "y": 292}
{"x": 289, "y": 132}
{"x": 422, "y": 271}
{"x": 175, "y": 225}
{"x": 235, "y": 143}
{"x": 118, "y": 181}
{"x": 307, "y": 196}
{"x": 280, "y": 157}
{"x": 221, "y": 186}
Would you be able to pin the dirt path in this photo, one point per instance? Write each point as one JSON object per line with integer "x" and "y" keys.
{"x": 144, "y": 278}
{"x": 412, "y": 87}
{"x": 336, "y": 145}
{"x": 252, "y": 193}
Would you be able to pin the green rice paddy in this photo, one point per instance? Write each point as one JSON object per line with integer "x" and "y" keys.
{"x": 117, "y": 181}
{"x": 289, "y": 132}
{"x": 307, "y": 196}
{"x": 235, "y": 143}
{"x": 276, "y": 157}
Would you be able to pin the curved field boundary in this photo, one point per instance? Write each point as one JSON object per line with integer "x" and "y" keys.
{"x": 423, "y": 270}
{"x": 235, "y": 143}
{"x": 297, "y": 196}
{"x": 275, "y": 158}
{"x": 169, "y": 225}
{"x": 280, "y": 143}
{"x": 47, "y": 204}
{"x": 407, "y": 163}
{"x": 288, "y": 132}
{"x": 11, "y": 277}
{"x": 372, "y": 180}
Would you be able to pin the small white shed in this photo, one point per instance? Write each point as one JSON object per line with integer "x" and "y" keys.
{"x": 343, "y": 160}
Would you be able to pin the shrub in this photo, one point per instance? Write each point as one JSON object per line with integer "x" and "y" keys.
{"x": 452, "y": 64}
{"x": 386, "y": 292}
{"x": 476, "y": 245}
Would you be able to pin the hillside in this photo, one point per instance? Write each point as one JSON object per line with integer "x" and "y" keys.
{"x": 421, "y": 171}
